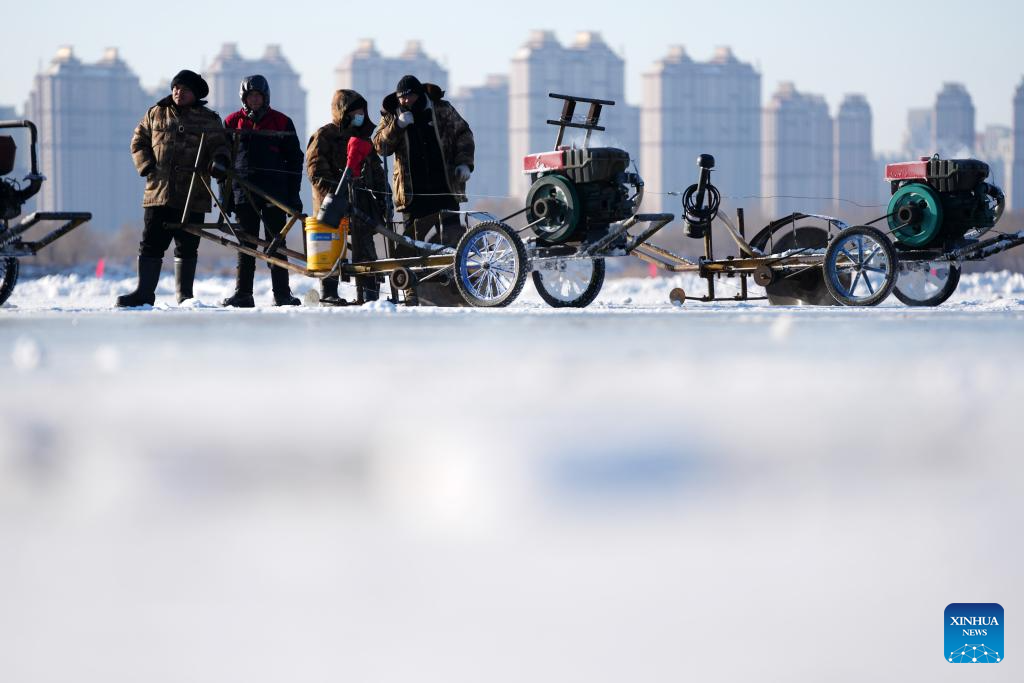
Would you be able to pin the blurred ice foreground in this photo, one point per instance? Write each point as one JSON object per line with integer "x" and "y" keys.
{"x": 729, "y": 494}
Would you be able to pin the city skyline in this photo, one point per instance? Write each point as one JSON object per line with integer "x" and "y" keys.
{"x": 788, "y": 153}
{"x": 917, "y": 131}
{"x": 824, "y": 50}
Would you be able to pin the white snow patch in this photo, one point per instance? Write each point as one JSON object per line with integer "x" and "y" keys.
{"x": 77, "y": 292}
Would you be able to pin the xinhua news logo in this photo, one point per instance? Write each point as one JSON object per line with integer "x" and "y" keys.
{"x": 974, "y": 633}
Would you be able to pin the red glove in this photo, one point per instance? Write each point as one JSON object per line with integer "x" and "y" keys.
{"x": 358, "y": 150}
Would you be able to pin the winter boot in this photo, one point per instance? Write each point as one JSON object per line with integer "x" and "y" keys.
{"x": 367, "y": 288}
{"x": 184, "y": 276}
{"x": 242, "y": 298}
{"x": 329, "y": 293}
{"x": 282, "y": 292}
{"x": 145, "y": 292}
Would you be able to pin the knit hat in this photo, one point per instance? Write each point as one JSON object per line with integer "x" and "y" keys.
{"x": 192, "y": 81}
{"x": 409, "y": 85}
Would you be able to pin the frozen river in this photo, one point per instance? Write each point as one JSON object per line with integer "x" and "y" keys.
{"x": 630, "y": 492}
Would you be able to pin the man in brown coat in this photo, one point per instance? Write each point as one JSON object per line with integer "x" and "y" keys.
{"x": 164, "y": 149}
{"x": 433, "y": 147}
{"x": 326, "y": 158}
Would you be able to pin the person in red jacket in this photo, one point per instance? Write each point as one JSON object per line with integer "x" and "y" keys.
{"x": 273, "y": 163}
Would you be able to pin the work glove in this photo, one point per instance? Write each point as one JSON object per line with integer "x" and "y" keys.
{"x": 357, "y": 151}
{"x": 405, "y": 119}
{"x": 462, "y": 172}
{"x": 219, "y": 167}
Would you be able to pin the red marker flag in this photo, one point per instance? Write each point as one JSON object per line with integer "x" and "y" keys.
{"x": 100, "y": 265}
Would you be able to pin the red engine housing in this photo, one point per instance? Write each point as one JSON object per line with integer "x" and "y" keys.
{"x": 944, "y": 175}
{"x": 544, "y": 161}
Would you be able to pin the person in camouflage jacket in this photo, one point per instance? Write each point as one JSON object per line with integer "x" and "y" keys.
{"x": 326, "y": 158}
{"x": 164, "y": 148}
{"x": 433, "y": 148}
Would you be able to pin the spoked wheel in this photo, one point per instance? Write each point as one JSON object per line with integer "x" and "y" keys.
{"x": 8, "y": 277}
{"x": 569, "y": 283}
{"x": 490, "y": 265}
{"x": 926, "y": 283}
{"x": 860, "y": 266}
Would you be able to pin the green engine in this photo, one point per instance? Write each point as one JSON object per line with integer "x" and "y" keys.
{"x": 938, "y": 202}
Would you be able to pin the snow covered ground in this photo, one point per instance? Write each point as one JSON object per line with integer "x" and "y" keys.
{"x": 630, "y": 492}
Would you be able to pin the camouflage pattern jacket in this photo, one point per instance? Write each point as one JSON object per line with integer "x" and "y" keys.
{"x": 454, "y": 137}
{"x": 164, "y": 149}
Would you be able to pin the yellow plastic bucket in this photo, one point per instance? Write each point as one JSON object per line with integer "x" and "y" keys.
{"x": 324, "y": 244}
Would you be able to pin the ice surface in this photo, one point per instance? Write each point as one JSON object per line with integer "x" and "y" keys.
{"x": 631, "y": 492}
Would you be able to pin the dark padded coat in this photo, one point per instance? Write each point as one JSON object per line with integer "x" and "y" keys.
{"x": 327, "y": 154}
{"x": 453, "y": 134}
{"x": 272, "y": 163}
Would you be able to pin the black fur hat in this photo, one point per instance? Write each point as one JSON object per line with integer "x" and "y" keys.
{"x": 192, "y": 81}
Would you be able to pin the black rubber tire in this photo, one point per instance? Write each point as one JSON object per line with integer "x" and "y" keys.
{"x": 807, "y": 286}
{"x": 402, "y": 278}
{"x": 518, "y": 277}
{"x": 947, "y": 291}
{"x": 890, "y": 253}
{"x": 8, "y": 277}
{"x": 584, "y": 299}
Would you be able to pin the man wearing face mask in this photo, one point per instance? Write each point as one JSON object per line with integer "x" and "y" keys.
{"x": 433, "y": 147}
{"x": 326, "y": 159}
{"x": 272, "y": 163}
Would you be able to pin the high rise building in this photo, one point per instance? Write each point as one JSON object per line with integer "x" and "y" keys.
{"x": 690, "y": 108}
{"x": 798, "y": 151}
{"x": 918, "y": 138}
{"x": 587, "y": 68}
{"x": 854, "y": 175}
{"x": 953, "y": 122}
{"x": 994, "y": 146}
{"x": 1016, "y": 181}
{"x": 485, "y": 108}
{"x": 374, "y": 76}
{"x": 287, "y": 95}
{"x": 86, "y": 114}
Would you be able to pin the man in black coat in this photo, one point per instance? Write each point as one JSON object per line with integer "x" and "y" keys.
{"x": 269, "y": 157}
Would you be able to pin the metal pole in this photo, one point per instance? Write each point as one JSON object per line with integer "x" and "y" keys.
{"x": 709, "y": 254}
{"x": 192, "y": 181}
{"x": 743, "y": 234}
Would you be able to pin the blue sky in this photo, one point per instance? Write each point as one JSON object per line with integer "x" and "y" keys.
{"x": 897, "y": 53}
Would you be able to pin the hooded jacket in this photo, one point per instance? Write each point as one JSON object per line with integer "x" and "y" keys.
{"x": 327, "y": 154}
{"x": 453, "y": 135}
{"x": 164, "y": 148}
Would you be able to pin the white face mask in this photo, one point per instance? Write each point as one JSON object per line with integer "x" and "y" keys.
{"x": 358, "y": 120}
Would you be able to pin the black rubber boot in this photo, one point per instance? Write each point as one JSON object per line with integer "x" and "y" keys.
{"x": 145, "y": 292}
{"x": 282, "y": 292}
{"x": 329, "y": 293}
{"x": 367, "y": 288}
{"x": 184, "y": 276}
{"x": 242, "y": 298}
